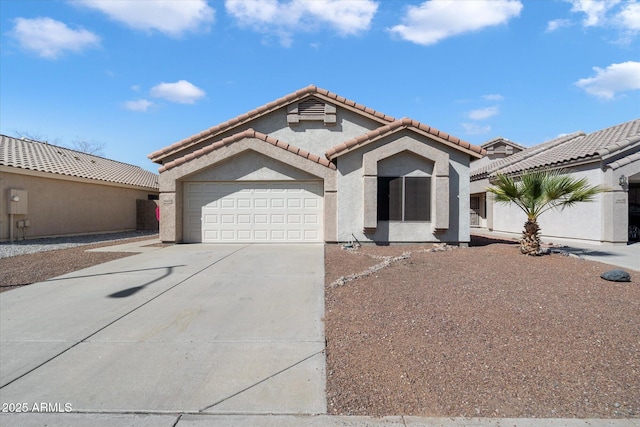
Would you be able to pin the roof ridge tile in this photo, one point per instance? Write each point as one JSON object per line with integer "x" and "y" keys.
{"x": 248, "y": 133}
{"x": 404, "y": 122}
{"x": 176, "y": 147}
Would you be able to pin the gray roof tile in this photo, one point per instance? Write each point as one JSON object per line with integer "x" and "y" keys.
{"x": 43, "y": 157}
{"x": 565, "y": 150}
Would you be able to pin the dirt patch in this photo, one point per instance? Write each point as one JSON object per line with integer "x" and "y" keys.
{"x": 481, "y": 331}
{"x": 23, "y": 270}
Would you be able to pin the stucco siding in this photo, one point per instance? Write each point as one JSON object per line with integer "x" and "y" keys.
{"x": 583, "y": 221}
{"x": 312, "y": 136}
{"x": 250, "y": 166}
{"x": 352, "y": 194}
{"x": 61, "y": 206}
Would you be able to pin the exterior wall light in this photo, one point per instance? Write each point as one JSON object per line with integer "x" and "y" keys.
{"x": 15, "y": 198}
{"x": 622, "y": 180}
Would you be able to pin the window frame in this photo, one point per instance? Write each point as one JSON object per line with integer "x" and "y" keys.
{"x": 405, "y": 208}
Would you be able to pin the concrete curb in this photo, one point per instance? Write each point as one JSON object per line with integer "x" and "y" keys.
{"x": 194, "y": 420}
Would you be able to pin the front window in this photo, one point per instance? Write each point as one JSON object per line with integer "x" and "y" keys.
{"x": 404, "y": 198}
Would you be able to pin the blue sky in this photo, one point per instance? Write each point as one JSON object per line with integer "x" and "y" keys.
{"x": 139, "y": 75}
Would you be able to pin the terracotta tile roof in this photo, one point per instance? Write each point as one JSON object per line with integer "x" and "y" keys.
{"x": 157, "y": 156}
{"x": 396, "y": 125}
{"x": 249, "y": 133}
{"x": 592, "y": 147}
{"x": 43, "y": 157}
{"x": 489, "y": 168}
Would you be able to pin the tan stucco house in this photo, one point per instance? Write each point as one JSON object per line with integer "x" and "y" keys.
{"x": 497, "y": 148}
{"x": 609, "y": 157}
{"x": 315, "y": 167}
{"x": 47, "y": 190}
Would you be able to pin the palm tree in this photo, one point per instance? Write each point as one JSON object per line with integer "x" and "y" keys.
{"x": 537, "y": 192}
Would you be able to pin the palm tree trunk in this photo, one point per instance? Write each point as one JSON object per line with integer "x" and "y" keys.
{"x": 530, "y": 242}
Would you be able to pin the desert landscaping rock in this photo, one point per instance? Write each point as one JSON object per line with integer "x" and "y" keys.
{"x": 476, "y": 332}
{"x": 616, "y": 276}
{"x": 479, "y": 332}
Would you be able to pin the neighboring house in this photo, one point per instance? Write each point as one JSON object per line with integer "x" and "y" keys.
{"x": 609, "y": 157}
{"x": 497, "y": 148}
{"x": 315, "y": 167}
{"x": 46, "y": 190}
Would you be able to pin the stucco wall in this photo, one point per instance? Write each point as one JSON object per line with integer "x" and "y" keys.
{"x": 312, "y": 136}
{"x": 351, "y": 194}
{"x": 59, "y": 206}
{"x": 583, "y": 221}
{"x": 248, "y": 159}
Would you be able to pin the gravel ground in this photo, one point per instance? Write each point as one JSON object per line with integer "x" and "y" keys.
{"x": 30, "y": 261}
{"x": 479, "y": 332}
{"x": 32, "y": 246}
{"x": 476, "y": 332}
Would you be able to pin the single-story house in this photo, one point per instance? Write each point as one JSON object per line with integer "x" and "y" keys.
{"x": 313, "y": 166}
{"x": 609, "y": 157}
{"x": 47, "y": 190}
{"x": 497, "y": 148}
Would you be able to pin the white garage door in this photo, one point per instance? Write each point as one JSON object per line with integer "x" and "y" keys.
{"x": 247, "y": 212}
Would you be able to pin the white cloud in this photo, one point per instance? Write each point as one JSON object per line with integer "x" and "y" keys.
{"x": 347, "y": 17}
{"x": 172, "y": 18}
{"x": 50, "y": 39}
{"x": 556, "y": 24}
{"x": 493, "y": 97}
{"x": 595, "y": 10}
{"x": 434, "y": 21}
{"x": 629, "y": 17}
{"x": 483, "y": 113}
{"x": 475, "y": 129}
{"x": 138, "y": 105}
{"x": 614, "y": 79}
{"x": 181, "y": 92}
{"x": 620, "y": 15}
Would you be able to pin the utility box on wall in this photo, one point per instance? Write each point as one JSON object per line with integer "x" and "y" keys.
{"x": 18, "y": 202}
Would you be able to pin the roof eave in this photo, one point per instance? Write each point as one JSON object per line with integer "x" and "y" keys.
{"x": 398, "y": 126}
{"x": 311, "y": 90}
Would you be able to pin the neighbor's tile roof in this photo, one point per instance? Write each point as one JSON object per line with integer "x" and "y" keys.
{"x": 503, "y": 140}
{"x": 394, "y": 126}
{"x": 249, "y": 133}
{"x": 157, "y": 156}
{"x": 43, "y": 157}
{"x": 592, "y": 147}
{"x": 489, "y": 168}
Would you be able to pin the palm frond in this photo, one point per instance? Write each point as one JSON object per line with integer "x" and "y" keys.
{"x": 538, "y": 191}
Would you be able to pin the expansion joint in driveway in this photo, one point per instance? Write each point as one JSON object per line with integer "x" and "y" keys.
{"x": 121, "y": 317}
{"x": 263, "y": 380}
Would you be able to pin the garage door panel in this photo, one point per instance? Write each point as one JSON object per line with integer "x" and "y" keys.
{"x": 253, "y": 212}
{"x": 294, "y": 219}
{"x": 311, "y": 235}
{"x": 277, "y": 219}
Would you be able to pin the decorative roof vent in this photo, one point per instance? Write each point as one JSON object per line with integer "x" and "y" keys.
{"x": 311, "y": 109}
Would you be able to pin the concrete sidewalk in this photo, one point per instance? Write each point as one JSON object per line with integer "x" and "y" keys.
{"x": 243, "y": 420}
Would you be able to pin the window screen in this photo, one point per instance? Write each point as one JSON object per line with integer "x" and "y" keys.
{"x": 404, "y": 199}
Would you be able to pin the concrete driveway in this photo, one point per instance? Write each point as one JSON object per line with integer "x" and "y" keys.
{"x": 202, "y": 329}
